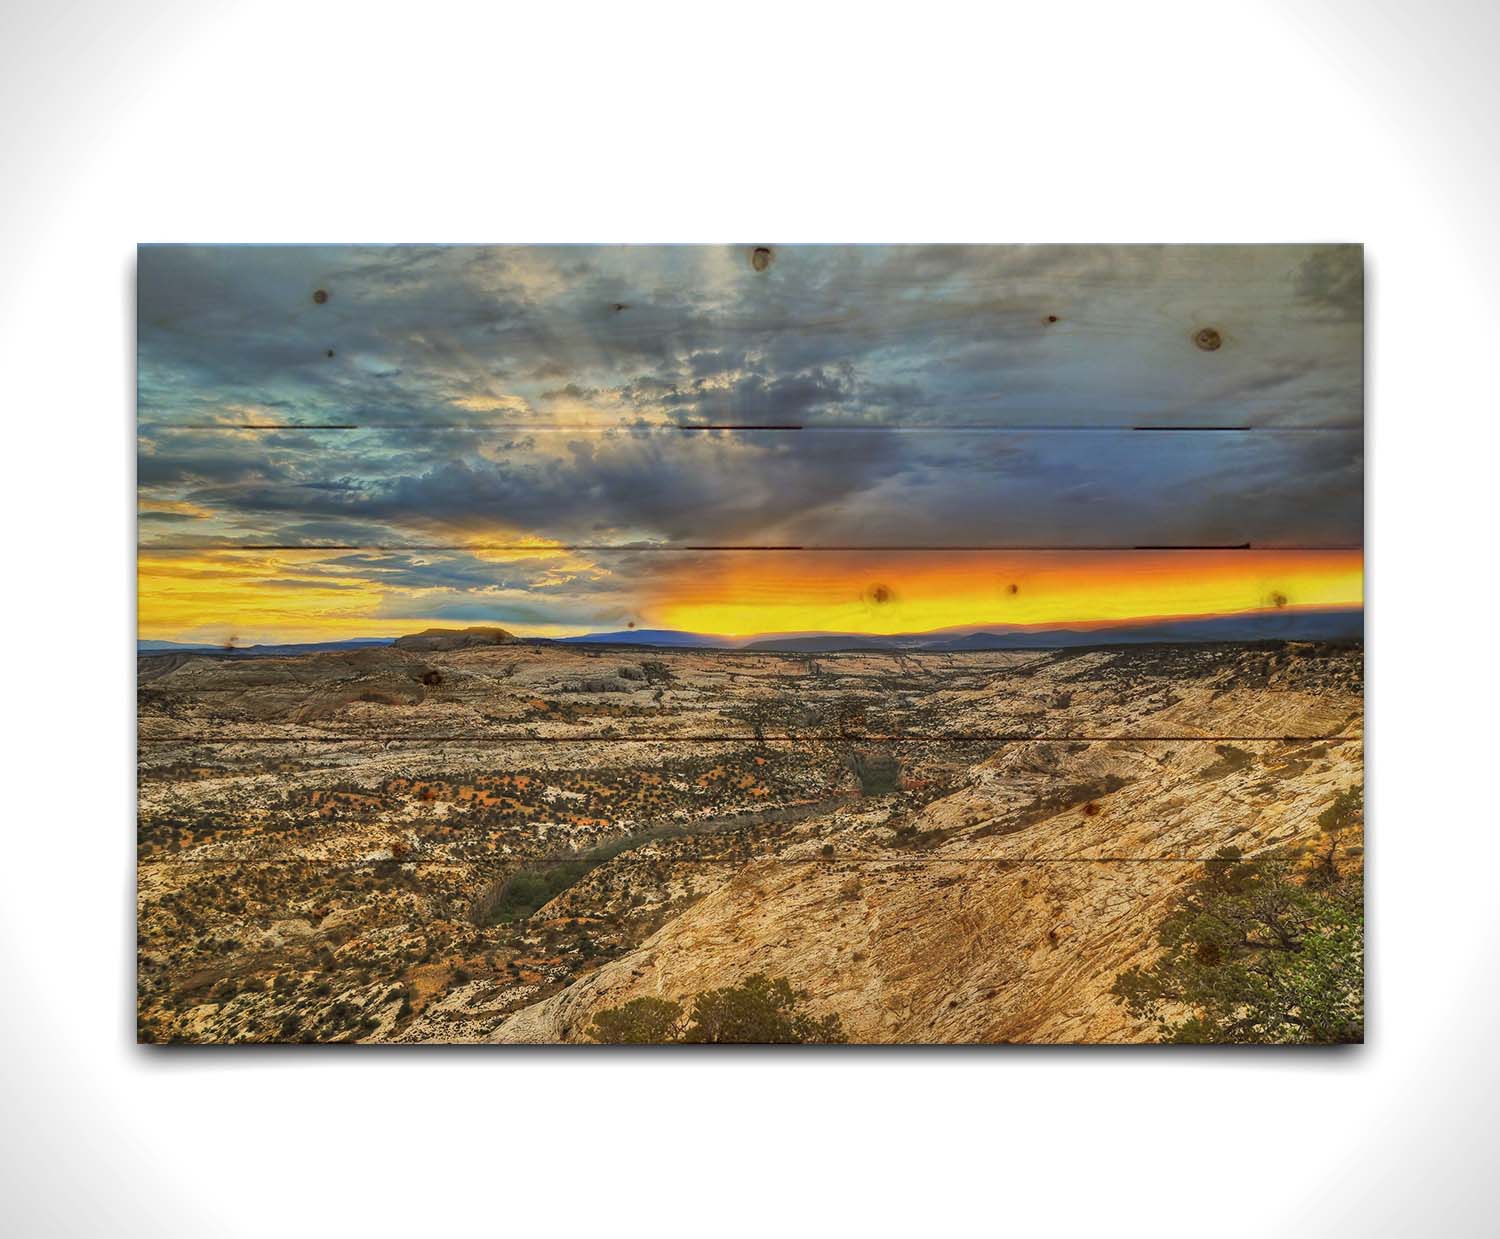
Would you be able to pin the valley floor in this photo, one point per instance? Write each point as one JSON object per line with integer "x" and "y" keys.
{"x": 496, "y": 844}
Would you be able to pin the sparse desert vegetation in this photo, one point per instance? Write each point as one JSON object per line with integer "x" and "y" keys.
{"x": 524, "y": 841}
{"x": 761, "y": 1010}
{"x": 1267, "y": 949}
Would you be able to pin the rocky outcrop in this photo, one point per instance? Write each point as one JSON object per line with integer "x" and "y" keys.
{"x": 1003, "y": 913}
{"x": 878, "y": 771}
{"x": 977, "y": 889}
{"x": 434, "y": 639}
{"x": 602, "y": 684}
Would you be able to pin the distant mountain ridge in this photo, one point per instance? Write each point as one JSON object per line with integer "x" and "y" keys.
{"x": 260, "y": 651}
{"x": 1284, "y": 624}
{"x": 655, "y": 636}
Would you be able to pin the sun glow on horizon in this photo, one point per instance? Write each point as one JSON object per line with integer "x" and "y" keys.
{"x": 884, "y": 594}
{"x": 215, "y": 594}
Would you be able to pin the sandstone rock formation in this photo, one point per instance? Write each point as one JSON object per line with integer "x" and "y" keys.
{"x": 431, "y": 639}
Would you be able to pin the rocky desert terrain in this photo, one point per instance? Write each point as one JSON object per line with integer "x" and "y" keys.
{"x": 492, "y": 840}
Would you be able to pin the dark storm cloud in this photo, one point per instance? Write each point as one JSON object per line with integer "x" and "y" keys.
{"x": 614, "y": 486}
{"x": 444, "y": 335}
{"x": 830, "y": 487}
{"x": 506, "y": 338}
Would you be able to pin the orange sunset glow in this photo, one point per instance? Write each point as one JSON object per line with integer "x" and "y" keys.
{"x": 314, "y": 595}
{"x": 551, "y": 644}
{"x": 883, "y": 593}
{"x": 502, "y": 436}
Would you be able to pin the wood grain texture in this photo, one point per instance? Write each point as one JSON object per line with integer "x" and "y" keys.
{"x": 1042, "y": 335}
{"x": 562, "y": 692}
{"x": 509, "y": 891}
{"x": 906, "y": 950}
{"x": 930, "y": 598}
{"x": 947, "y": 613}
{"x": 396, "y": 951}
{"x": 499, "y": 803}
{"x": 835, "y": 488}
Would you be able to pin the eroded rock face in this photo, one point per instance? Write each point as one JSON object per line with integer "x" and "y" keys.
{"x": 1002, "y": 912}
{"x": 433, "y": 639}
{"x": 878, "y": 771}
{"x": 601, "y": 684}
{"x": 656, "y": 671}
{"x": 900, "y": 951}
{"x": 315, "y": 831}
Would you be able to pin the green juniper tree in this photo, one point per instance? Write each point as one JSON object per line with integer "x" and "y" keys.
{"x": 760, "y": 1011}
{"x": 1345, "y": 813}
{"x": 1261, "y": 950}
{"x": 641, "y": 1021}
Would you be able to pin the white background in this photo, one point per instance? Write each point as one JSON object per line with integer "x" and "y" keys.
{"x": 634, "y": 121}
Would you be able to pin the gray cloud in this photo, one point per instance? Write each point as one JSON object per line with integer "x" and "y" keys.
{"x": 849, "y": 487}
{"x": 617, "y": 342}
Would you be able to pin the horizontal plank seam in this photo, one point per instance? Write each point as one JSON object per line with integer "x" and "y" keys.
{"x": 685, "y": 547}
{"x": 755, "y": 427}
{"x": 179, "y": 861}
{"x": 861, "y": 737}
{"x": 176, "y": 548}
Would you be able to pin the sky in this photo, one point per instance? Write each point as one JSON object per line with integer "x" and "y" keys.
{"x": 363, "y": 441}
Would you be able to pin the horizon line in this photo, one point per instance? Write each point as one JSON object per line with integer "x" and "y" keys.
{"x": 973, "y": 629}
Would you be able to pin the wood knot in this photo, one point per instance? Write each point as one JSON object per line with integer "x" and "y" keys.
{"x": 320, "y": 296}
{"x": 1208, "y": 339}
{"x": 760, "y": 257}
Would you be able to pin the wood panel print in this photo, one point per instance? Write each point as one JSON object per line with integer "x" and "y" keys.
{"x": 833, "y": 644}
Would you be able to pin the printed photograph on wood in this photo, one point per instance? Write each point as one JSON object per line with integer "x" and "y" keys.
{"x": 750, "y": 644}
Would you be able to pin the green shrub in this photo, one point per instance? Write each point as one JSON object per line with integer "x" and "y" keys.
{"x": 641, "y": 1021}
{"x": 1260, "y": 951}
{"x": 759, "y": 1011}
